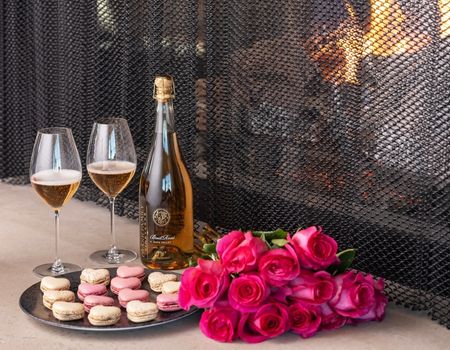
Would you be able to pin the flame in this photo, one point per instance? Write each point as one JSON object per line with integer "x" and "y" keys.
{"x": 342, "y": 52}
{"x": 389, "y": 34}
{"x": 444, "y": 10}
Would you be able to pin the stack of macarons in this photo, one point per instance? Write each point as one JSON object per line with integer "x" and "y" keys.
{"x": 167, "y": 285}
{"x": 58, "y": 298}
{"x": 93, "y": 292}
{"x": 101, "y": 308}
{"x": 126, "y": 285}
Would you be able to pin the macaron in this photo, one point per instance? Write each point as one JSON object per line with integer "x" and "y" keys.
{"x": 65, "y": 311}
{"x": 52, "y": 296}
{"x": 138, "y": 312}
{"x": 85, "y": 289}
{"x": 157, "y": 279}
{"x": 104, "y": 315}
{"x": 126, "y": 295}
{"x": 168, "y": 302}
{"x": 131, "y": 271}
{"x": 170, "y": 287}
{"x": 52, "y": 283}
{"x": 93, "y": 300}
{"x": 118, "y": 283}
{"x": 95, "y": 276}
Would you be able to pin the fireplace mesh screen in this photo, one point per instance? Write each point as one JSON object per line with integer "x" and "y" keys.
{"x": 289, "y": 114}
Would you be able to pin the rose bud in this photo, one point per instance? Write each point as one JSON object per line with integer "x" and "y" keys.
{"x": 202, "y": 285}
{"x": 220, "y": 323}
{"x": 315, "y": 249}
{"x": 279, "y": 266}
{"x": 355, "y": 294}
{"x": 313, "y": 288}
{"x": 247, "y": 293}
{"x": 305, "y": 319}
{"x": 239, "y": 252}
{"x": 269, "y": 321}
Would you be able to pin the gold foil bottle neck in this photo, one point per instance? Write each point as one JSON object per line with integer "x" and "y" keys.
{"x": 164, "y": 88}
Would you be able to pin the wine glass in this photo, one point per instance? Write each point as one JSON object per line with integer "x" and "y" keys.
{"x": 111, "y": 164}
{"x": 55, "y": 174}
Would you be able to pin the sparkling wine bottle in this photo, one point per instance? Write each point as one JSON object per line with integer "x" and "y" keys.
{"x": 165, "y": 191}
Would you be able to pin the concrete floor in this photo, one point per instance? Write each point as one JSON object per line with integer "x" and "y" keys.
{"x": 26, "y": 233}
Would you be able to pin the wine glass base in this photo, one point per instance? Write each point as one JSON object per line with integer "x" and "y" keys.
{"x": 46, "y": 269}
{"x": 124, "y": 256}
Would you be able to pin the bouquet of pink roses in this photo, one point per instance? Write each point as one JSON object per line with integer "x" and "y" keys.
{"x": 259, "y": 285}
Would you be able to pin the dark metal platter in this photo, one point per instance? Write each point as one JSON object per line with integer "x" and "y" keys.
{"x": 31, "y": 303}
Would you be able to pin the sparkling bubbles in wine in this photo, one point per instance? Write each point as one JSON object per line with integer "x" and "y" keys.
{"x": 111, "y": 176}
{"x": 56, "y": 188}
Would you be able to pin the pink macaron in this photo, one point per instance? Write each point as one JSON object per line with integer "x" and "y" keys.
{"x": 127, "y": 295}
{"x": 93, "y": 300}
{"x": 85, "y": 289}
{"x": 168, "y": 302}
{"x": 131, "y": 271}
{"x": 119, "y": 283}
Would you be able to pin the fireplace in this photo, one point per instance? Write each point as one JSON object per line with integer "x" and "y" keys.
{"x": 306, "y": 112}
{"x": 337, "y": 112}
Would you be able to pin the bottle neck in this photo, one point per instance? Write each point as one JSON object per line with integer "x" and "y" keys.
{"x": 164, "y": 117}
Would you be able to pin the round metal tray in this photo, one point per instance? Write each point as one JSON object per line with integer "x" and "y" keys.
{"x": 31, "y": 303}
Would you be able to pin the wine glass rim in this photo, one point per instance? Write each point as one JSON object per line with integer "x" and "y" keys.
{"x": 55, "y": 130}
{"x": 110, "y": 120}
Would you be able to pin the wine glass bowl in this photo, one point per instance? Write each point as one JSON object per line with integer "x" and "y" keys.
{"x": 55, "y": 175}
{"x": 111, "y": 164}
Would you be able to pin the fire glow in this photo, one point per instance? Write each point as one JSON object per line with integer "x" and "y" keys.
{"x": 444, "y": 11}
{"x": 339, "y": 53}
{"x": 388, "y": 34}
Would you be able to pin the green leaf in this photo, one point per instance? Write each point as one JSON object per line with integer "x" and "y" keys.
{"x": 346, "y": 258}
{"x": 279, "y": 242}
{"x": 271, "y": 235}
{"x": 209, "y": 248}
{"x": 263, "y": 238}
{"x": 192, "y": 262}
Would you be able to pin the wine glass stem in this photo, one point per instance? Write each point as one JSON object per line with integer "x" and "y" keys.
{"x": 57, "y": 266}
{"x": 113, "y": 250}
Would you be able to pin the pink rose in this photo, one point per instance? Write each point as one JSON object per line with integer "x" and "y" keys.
{"x": 330, "y": 319}
{"x": 315, "y": 249}
{"x": 313, "y": 288}
{"x": 239, "y": 252}
{"x": 279, "y": 266}
{"x": 355, "y": 295}
{"x": 376, "y": 312}
{"x": 271, "y": 320}
{"x": 220, "y": 323}
{"x": 305, "y": 319}
{"x": 202, "y": 285}
{"x": 247, "y": 293}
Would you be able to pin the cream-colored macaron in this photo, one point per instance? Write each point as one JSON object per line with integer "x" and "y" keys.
{"x": 95, "y": 276}
{"x": 52, "y": 296}
{"x": 52, "y": 283}
{"x": 170, "y": 287}
{"x": 138, "y": 311}
{"x": 64, "y": 311}
{"x": 104, "y": 315}
{"x": 157, "y": 279}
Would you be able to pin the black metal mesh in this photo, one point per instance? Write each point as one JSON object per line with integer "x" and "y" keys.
{"x": 288, "y": 113}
